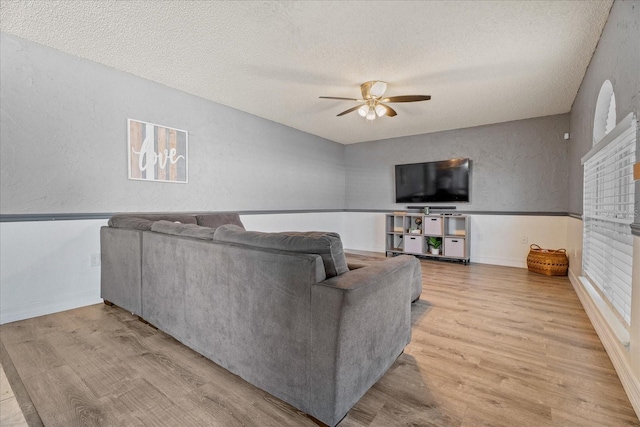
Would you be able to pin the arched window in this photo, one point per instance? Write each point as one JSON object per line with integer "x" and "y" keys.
{"x": 604, "y": 119}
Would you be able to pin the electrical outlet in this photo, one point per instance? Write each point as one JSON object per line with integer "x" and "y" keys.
{"x": 524, "y": 240}
{"x": 95, "y": 260}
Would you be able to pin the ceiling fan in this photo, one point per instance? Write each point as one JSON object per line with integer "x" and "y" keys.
{"x": 373, "y": 103}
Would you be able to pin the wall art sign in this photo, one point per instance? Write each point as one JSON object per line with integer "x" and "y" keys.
{"x": 157, "y": 153}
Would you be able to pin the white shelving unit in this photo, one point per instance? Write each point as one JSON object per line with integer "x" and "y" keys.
{"x": 409, "y": 233}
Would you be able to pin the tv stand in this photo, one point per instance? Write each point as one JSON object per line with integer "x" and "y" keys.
{"x": 410, "y": 233}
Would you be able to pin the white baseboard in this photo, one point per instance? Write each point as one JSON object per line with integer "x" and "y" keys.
{"x": 506, "y": 262}
{"x": 615, "y": 350}
{"x": 41, "y": 308}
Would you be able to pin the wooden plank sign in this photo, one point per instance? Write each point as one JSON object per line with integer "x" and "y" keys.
{"x": 157, "y": 153}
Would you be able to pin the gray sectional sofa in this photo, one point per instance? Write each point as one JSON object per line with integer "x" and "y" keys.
{"x": 282, "y": 310}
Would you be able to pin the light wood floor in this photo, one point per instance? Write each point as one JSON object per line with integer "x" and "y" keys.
{"x": 491, "y": 346}
{"x": 10, "y": 413}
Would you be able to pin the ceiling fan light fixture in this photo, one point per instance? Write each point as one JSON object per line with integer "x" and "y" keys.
{"x": 371, "y": 114}
{"x": 374, "y": 105}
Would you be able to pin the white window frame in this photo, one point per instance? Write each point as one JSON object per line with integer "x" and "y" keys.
{"x": 609, "y": 197}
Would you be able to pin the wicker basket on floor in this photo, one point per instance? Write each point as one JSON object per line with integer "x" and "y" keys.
{"x": 552, "y": 262}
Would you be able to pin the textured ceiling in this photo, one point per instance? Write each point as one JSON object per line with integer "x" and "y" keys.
{"x": 482, "y": 62}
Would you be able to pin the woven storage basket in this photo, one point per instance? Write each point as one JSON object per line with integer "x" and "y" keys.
{"x": 552, "y": 262}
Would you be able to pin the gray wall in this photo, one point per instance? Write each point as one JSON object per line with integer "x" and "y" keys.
{"x": 616, "y": 58}
{"x": 64, "y": 144}
{"x": 516, "y": 166}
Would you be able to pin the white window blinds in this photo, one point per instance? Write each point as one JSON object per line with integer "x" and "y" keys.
{"x": 608, "y": 213}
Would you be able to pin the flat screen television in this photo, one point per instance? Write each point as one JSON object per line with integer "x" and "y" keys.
{"x": 433, "y": 182}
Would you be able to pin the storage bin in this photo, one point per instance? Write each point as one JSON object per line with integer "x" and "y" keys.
{"x": 413, "y": 244}
{"x": 454, "y": 247}
{"x": 432, "y": 225}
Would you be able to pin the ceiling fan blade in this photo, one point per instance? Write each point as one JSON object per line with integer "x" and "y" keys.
{"x": 373, "y": 89}
{"x": 407, "y": 98}
{"x": 390, "y": 111}
{"x": 377, "y": 89}
{"x": 350, "y": 110}
{"x": 365, "y": 88}
{"x": 343, "y": 99}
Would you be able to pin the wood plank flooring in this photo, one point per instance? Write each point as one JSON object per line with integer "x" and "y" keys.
{"x": 10, "y": 412}
{"x": 491, "y": 346}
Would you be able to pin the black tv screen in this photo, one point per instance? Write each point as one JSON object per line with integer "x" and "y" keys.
{"x": 433, "y": 182}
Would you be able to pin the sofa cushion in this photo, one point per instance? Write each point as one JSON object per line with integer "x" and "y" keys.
{"x": 182, "y": 218}
{"x": 131, "y": 222}
{"x": 178, "y": 229}
{"x": 327, "y": 245}
{"x": 215, "y": 220}
{"x": 144, "y": 221}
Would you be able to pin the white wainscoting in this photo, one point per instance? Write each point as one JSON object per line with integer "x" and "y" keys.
{"x": 505, "y": 239}
{"x": 495, "y": 239}
{"x": 311, "y": 221}
{"x": 46, "y": 265}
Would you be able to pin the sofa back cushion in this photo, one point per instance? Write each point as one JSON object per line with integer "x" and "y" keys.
{"x": 188, "y": 230}
{"x": 144, "y": 221}
{"x": 131, "y": 222}
{"x": 327, "y": 245}
{"x": 215, "y": 220}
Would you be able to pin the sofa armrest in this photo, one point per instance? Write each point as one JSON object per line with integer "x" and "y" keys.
{"x": 416, "y": 281}
{"x": 121, "y": 270}
{"x": 361, "y": 322}
{"x": 363, "y": 275}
